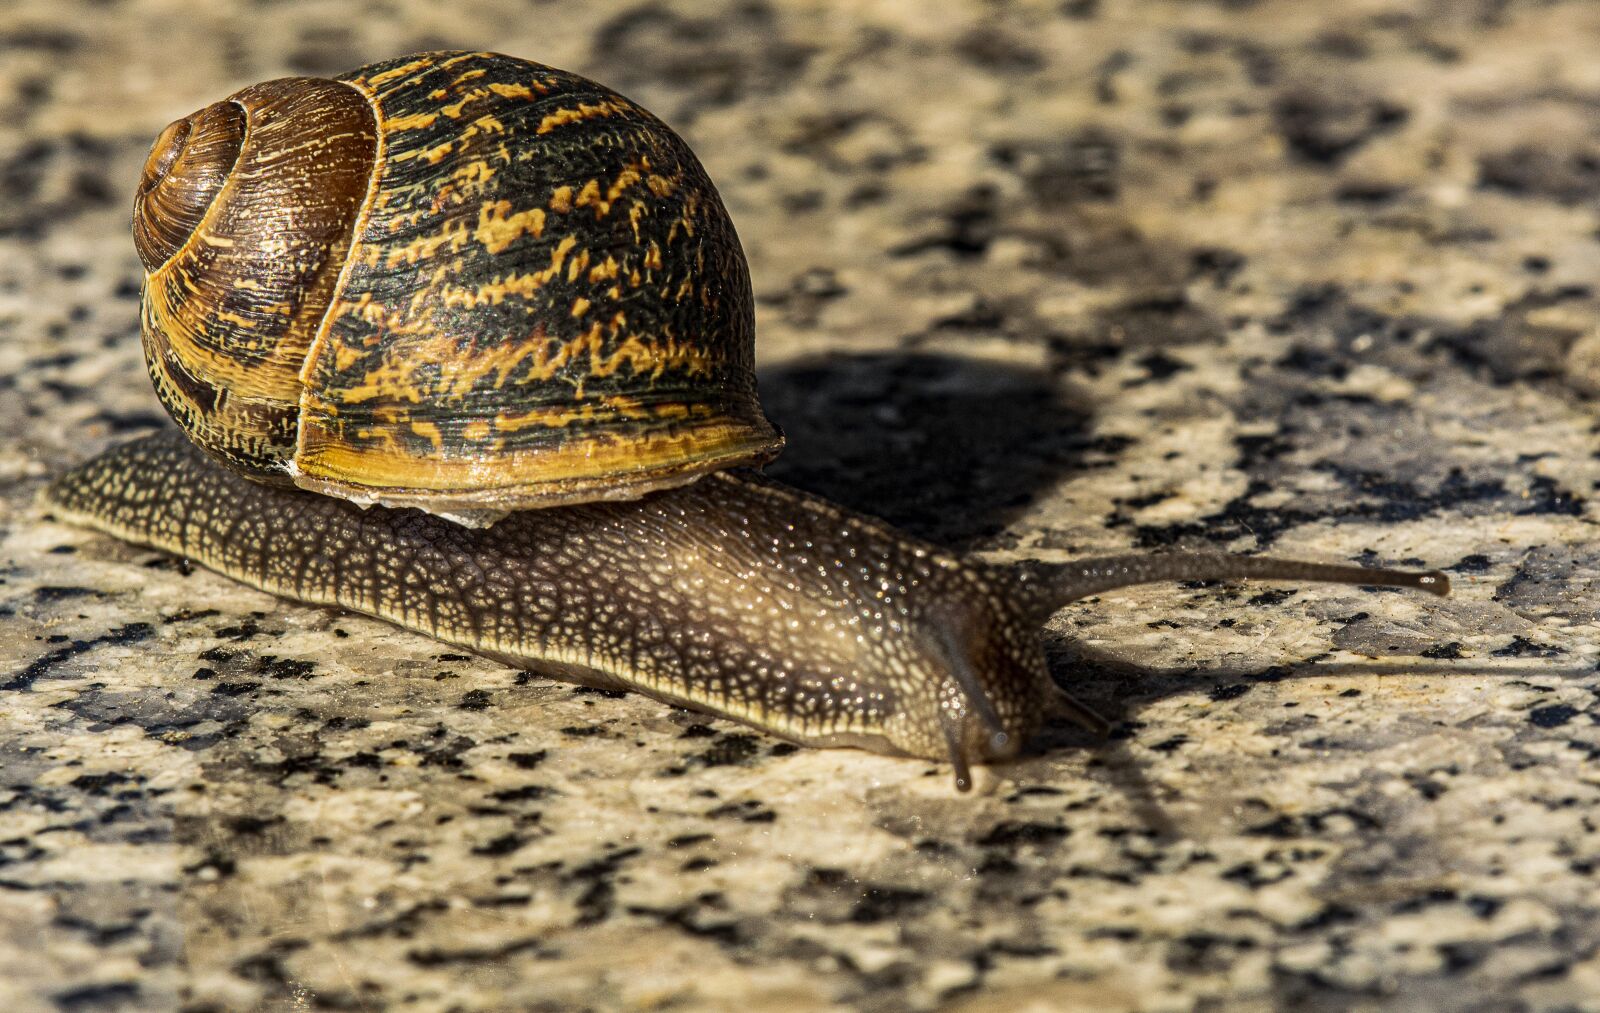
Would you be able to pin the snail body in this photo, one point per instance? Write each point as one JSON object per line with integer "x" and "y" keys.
{"x": 569, "y": 355}
{"x": 735, "y": 595}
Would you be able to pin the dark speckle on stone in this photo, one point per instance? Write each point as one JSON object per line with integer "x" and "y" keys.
{"x": 999, "y": 51}
{"x": 1012, "y": 833}
{"x": 527, "y": 761}
{"x": 881, "y": 903}
{"x": 1553, "y": 716}
{"x": 1267, "y": 599}
{"x": 1546, "y": 497}
{"x": 1521, "y": 647}
{"x": 1323, "y": 128}
{"x": 748, "y": 811}
{"x": 48, "y": 595}
{"x": 1161, "y": 366}
{"x": 107, "y": 995}
{"x": 1567, "y": 176}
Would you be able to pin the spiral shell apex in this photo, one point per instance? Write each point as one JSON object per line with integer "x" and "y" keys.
{"x": 458, "y": 281}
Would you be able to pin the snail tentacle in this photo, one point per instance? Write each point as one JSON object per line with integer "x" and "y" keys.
{"x": 1043, "y": 588}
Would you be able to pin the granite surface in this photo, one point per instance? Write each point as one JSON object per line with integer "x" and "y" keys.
{"x": 1036, "y": 279}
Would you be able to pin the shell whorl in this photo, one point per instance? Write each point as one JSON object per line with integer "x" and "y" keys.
{"x": 253, "y": 244}
{"x": 187, "y": 167}
{"x": 457, "y": 281}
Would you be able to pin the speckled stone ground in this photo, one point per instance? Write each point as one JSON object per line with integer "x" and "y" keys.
{"x": 1036, "y": 279}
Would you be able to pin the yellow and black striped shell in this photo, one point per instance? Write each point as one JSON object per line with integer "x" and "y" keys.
{"x": 458, "y": 281}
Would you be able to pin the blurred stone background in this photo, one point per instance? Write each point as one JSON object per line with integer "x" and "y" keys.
{"x": 1036, "y": 279}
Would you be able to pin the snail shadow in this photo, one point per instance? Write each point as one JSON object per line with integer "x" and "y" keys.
{"x": 948, "y": 447}
{"x": 1118, "y": 691}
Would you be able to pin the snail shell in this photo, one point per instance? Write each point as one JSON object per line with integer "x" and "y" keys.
{"x": 457, "y": 281}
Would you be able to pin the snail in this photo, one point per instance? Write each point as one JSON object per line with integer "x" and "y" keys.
{"x": 466, "y": 343}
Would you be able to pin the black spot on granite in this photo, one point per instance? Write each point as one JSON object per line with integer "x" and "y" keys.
{"x": 1324, "y": 127}
{"x": 526, "y": 793}
{"x": 108, "y": 995}
{"x": 1473, "y": 563}
{"x": 1162, "y": 366}
{"x": 1011, "y": 834}
{"x": 448, "y": 753}
{"x": 728, "y": 750}
{"x": 998, "y": 51}
{"x": 475, "y": 700}
{"x": 502, "y": 845}
{"x": 966, "y": 228}
{"x": 39, "y": 38}
{"x": 1216, "y": 264}
{"x": 1081, "y": 168}
{"x": 435, "y": 956}
{"x": 747, "y": 811}
{"x": 1267, "y": 599}
{"x": 527, "y": 761}
{"x": 1553, "y": 716}
{"x": 1564, "y": 176}
{"x": 131, "y": 633}
{"x": 244, "y": 630}
{"x": 1521, "y": 647}
{"x": 1319, "y": 823}
{"x": 1367, "y": 193}
{"x": 47, "y": 595}
{"x": 1253, "y": 876}
{"x": 1463, "y": 956}
{"x": 1547, "y": 498}
{"x": 1314, "y": 362}
{"x": 598, "y": 897}
{"x": 274, "y": 667}
{"x": 1449, "y": 651}
{"x": 1517, "y": 343}
{"x": 882, "y": 903}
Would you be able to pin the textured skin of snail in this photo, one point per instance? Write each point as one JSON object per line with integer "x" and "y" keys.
{"x": 736, "y": 596}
